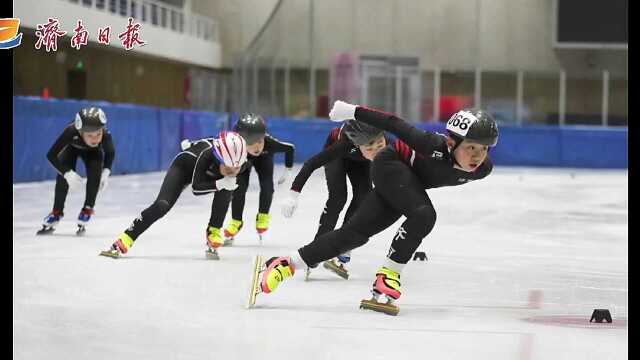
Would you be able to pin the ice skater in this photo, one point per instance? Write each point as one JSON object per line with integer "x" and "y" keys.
{"x": 347, "y": 153}
{"x": 209, "y": 165}
{"x": 88, "y": 138}
{"x": 418, "y": 160}
{"x": 261, "y": 147}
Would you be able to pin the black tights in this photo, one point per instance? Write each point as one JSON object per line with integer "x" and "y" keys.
{"x": 397, "y": 192}
{"x": 93, "y": 164}
{"x": 336, "y": 173}
{"x": 177, "y": 178}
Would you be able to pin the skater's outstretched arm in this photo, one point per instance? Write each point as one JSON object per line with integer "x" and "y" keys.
{"x": 278, "y": 146}
{"x": 423, "y": 142}
{"x": 334, "y": 151}
{"x": 61, "y": 143}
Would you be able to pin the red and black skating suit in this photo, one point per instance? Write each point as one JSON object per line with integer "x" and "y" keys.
{"x": 341, "y": 160}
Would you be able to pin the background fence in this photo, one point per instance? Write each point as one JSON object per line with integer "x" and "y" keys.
{"x": 147, "y": 138}
{"x": 290, "y": 67}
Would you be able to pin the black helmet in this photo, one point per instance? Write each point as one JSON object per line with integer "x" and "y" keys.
{"x": 360, "y": 133}
{"x": 90, "y": 119}
{"x": 251, "y": 127}
{"x": 475, "y": 125}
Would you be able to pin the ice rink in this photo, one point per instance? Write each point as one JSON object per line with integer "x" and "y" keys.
{"x": 516, "y": 264}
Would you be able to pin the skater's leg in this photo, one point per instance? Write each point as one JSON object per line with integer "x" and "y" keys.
{"x": 219, "y": 207}
{"x": 377, "y": 217}
{"x": 237, "y": 206}
{"x": 93, "y": 165}
{"x": 373, "y": 216}
{"x": 264, "y": 169}
{"x": 175, "y": 181}
{"x": 67, "y": 157}
{"x": 403, "y": 191}
{"x": 360, "y": 178}
{"x": 239, "y": 194}
{"x": 335, "y": 176}
{"x": 405, "y": 194}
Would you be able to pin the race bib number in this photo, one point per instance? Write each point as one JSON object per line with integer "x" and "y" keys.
{"x": 460, "y": 122}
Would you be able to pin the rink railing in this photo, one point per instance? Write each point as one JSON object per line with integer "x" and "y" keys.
{"x": 148, "y": 138}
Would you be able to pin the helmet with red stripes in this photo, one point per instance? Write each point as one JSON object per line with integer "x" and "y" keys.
{"x": 230, "y": 149}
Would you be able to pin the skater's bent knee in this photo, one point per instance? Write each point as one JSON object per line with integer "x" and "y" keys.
{"x": 425, "y": 212}
{"x": 426, "y": 215}
{"x": 162, "y": 207}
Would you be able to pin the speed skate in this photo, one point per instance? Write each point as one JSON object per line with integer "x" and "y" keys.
{"x": 385, "y": 307}
{"x": 80, "y": 231}
{"x": 337, "y": 268}
{"x": 258, "y": 267}
{"x": 45, "y": 230}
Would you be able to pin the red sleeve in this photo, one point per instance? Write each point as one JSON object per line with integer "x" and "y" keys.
{"x": 403, "y": 149}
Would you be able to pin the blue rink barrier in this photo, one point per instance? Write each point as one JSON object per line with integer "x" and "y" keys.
{"x": 145, "y": 138}
{"x": 558, "y": 146}
{"x": 148, "y": 138}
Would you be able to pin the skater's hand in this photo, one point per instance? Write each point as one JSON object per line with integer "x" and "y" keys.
{"x": 342, "y": 111}
{"x": 290, "y": 204}
{"x": 185, "y": 144}
{"x": 227, "y": 183}
{"x": 74, "y": 180}
{"x": 284, "y": 176}
{"x": 104, "y": 179}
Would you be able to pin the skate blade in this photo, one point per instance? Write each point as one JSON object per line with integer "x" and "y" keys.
{"x": 212, "y": 255}
{"x": 255, "y": 285}
{"x": 228, "y": 242}
{"x": 331, "y": 266}
{"x": 260, "y": 239}
{"x": 388, "y": 309}
{"x": 45, "y": 231}
{"x": 81, "y": 230}
{"x": 307, "y": 274}
{"x": 111, "y": 254}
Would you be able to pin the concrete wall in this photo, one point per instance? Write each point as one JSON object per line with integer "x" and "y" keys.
{"x": 239, "y": 22}
{"x": 112, "y": 74}
{"x": 496, "y": 35}
{"x": 159, "y": 42}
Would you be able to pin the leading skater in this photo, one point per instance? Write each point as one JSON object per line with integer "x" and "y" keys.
{"x": 208, "y": 165}
{"x": 88, "y": 138}
{"x": 418, "y": 160}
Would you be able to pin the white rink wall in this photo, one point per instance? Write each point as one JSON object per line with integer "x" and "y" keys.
{"x": 563, "y": 232}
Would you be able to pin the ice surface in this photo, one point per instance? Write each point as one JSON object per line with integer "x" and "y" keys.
{"x": 561, "y": 231}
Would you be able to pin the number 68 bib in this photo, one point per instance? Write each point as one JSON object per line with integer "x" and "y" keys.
{"x": 460, "y": 122}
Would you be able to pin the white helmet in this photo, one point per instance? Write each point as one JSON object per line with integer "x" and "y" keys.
{"x": 230, "y": 149}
